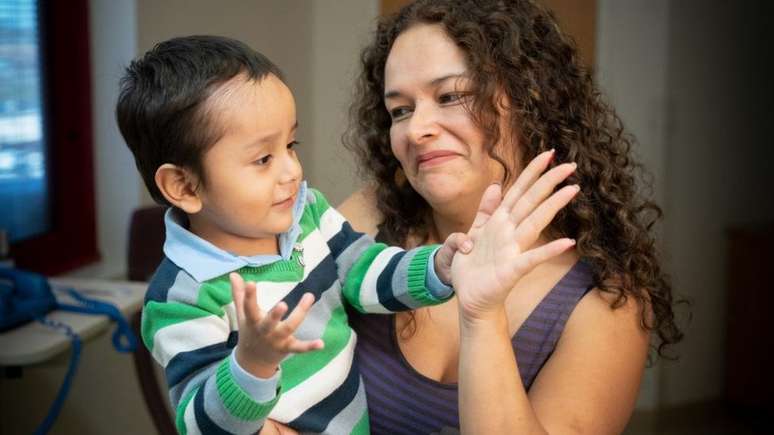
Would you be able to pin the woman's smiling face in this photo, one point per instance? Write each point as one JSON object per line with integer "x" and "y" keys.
{"x": 440, "y": 147}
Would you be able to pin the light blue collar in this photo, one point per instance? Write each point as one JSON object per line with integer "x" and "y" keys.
{"x": 205, "y": 261}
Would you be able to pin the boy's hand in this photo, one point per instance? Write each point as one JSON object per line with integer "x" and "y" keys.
{"x": 443, "y": 257}
{"x": 504, "y": 233}
{"x": 271, "y": 427}
{"x": 265, "y": 339}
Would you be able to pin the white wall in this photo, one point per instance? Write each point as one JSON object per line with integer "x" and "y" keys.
{"x": 112, "y": 38}
{"x": 340, "y": 30}
{"x": 632, "y": 51}
{"x": 280, "y": 29}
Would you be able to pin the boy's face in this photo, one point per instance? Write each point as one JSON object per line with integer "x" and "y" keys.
{"x": 252, "y": 173}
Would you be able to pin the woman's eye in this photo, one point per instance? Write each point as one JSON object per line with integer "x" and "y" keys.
{"x": 293, "y": 144}
{"x": 264, "y": 160}
{"x": 399, "y": 112}
{"x": 450, "y": 98}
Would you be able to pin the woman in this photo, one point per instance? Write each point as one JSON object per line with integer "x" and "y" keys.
{"x": 458, "y": 94}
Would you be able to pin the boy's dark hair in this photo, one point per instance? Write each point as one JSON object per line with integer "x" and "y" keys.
{"x": 161, "y": 108}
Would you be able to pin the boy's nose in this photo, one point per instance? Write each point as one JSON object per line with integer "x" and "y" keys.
{"x": 292, "y": 170}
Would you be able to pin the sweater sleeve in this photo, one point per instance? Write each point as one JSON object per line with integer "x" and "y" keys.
{"x": 190, "y": 329}
{"x": 377, "y": 278}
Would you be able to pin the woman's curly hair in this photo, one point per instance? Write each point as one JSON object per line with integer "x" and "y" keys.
{"x": 515, "y": 48}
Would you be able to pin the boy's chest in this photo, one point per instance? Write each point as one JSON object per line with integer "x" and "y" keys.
{"x": 310, "y": 269}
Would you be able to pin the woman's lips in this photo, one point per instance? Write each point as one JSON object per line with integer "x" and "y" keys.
{"x": 433, "y": 158}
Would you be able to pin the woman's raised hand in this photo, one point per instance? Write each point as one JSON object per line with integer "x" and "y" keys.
{"x": 504, "y": 235}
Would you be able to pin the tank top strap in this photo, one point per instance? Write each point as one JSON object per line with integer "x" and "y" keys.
{"x": 536, "y": 339}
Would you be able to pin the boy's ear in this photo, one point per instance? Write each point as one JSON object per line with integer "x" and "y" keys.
{"x": 178, "y": 186}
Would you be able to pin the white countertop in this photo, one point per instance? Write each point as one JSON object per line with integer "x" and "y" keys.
{"x": 34, "y": 343}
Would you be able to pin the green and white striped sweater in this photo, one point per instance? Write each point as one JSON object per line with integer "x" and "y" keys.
{"x": 190, "y": 327}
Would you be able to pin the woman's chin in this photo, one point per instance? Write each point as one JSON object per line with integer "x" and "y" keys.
{"x": 441, "y": 187}
{"x": 437, "y": 195}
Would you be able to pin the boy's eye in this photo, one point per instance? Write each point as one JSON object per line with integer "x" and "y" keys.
{"x": 264, "y": 160}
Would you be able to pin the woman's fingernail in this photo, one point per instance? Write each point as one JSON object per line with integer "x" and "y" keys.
{"x": 467, "y": 245}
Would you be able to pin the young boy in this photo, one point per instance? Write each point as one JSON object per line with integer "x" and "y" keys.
{"x": 212, "y": 128}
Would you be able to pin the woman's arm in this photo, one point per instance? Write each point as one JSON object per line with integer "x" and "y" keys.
{"x": 589, "y": 385}
{"x": 590, "y": 382}
{"x": 594, "y": 375}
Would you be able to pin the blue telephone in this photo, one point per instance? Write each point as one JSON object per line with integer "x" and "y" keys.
{"x": 24, "y": 296}
{"x": 27, "y": 296}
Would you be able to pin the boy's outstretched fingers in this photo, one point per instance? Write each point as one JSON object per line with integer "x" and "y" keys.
{"x": 246, "y": 304}
{"x": 272, "y": 319}
{"x": 299, "y": 313}
{"x": 238, "y": 293}
{"x": 251, "y": 310}
{"x": 289, "y": 325}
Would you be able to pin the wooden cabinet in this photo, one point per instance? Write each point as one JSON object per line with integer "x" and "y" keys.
{"x": 576, "y": 17}
{"x": 750, "y": 309}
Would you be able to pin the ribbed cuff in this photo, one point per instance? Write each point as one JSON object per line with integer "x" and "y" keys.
{"x": 236, "y": 399}
{"x": 437, "y": 288}
{"x": 259, "y": 389}
{"x": 417, "y": 275}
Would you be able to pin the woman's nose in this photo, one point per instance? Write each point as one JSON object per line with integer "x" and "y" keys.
{"x": 423, "y": 124}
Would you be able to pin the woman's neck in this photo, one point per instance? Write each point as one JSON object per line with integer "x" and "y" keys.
{"x": 446, "y": 221}
{"x": 455, "y": 213}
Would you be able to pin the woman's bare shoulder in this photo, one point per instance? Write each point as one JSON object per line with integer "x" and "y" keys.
{"x": 361, "y": 212}
{"x": 608, "y": 347}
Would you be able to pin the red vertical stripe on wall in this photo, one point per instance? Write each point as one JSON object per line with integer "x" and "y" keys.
{"x": 73, "y": 239}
